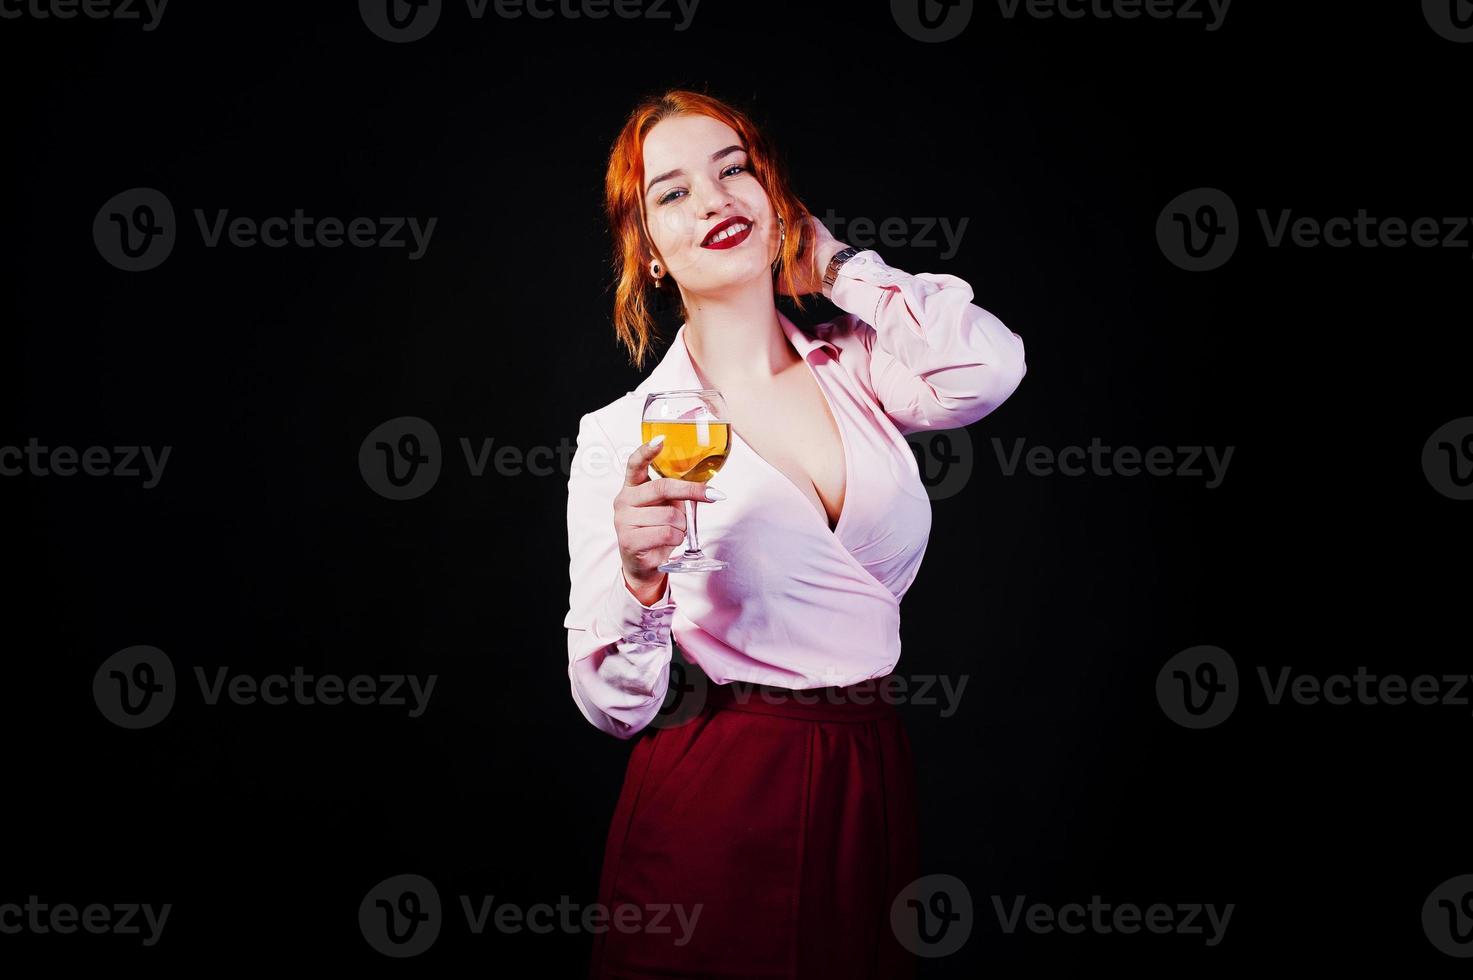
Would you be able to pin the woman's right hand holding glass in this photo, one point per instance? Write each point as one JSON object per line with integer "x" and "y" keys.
{"x": 649, "y": 520}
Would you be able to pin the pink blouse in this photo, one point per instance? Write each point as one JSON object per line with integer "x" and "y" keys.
{"x": 799, "y": 606}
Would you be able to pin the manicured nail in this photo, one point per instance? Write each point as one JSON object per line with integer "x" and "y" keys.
{"x": 713, "y": 494}
{"x": 656, "y": 440}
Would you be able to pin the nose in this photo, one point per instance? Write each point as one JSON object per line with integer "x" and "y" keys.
{"x": 713, "y": 197}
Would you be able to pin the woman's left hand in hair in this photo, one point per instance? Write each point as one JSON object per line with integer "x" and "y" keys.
{"x": 813, "y": 261}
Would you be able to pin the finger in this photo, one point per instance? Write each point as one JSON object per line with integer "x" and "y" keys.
{"x": 666, "y": 489}
{"x": 641, "y": 539}
{"x": 637, "y": 470}
{"x": 656, "y": 515}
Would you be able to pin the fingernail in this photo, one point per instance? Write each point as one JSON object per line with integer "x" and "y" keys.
{"x": 713, "y": 494}
{"x": 656, "y": 440}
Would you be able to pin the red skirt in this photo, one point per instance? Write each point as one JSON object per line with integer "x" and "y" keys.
{"x": 774, "y": 834}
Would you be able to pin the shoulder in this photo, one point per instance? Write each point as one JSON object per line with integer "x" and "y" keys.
{"x": 614, "y": 425}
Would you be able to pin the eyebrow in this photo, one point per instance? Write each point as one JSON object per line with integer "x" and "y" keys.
{"x": 677, "y": 172}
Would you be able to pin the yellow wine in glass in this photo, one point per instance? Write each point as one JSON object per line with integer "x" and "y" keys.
{"x": 691, "y": 450}
{"x": 697, "y": 435}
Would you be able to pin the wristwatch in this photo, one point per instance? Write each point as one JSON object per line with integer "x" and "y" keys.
{"x": 840, "y": 257}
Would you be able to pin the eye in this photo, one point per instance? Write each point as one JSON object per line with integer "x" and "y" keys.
{"x": 726, "y": 171}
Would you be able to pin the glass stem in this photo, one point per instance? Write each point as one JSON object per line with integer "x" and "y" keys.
{"x": 692, "y": 539}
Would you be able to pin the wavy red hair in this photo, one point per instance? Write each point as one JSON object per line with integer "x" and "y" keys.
{"x": 624, "y": 206}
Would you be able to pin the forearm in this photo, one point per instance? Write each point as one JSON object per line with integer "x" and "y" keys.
{"x": 619, "y": 666}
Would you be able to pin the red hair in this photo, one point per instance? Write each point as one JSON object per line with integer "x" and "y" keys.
{"x": 624, "y": 207}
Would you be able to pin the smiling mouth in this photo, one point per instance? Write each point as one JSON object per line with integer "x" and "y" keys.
{"x": 728, "y": 234}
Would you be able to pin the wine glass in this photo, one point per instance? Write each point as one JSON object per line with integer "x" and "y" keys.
{"x": 697, "y": 438}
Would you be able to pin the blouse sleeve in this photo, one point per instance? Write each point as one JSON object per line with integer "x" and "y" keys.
{"x": 936, "y": 359}
{"x": 619, "y": 649}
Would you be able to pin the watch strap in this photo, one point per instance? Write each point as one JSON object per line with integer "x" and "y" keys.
{"x": 832, "y": 273}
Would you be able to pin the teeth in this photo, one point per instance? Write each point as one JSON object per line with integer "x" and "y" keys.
{"x": 736, "y": 229}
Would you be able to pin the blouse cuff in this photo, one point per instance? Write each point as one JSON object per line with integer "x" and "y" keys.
{"x": 626, "y": 618}
{"x": 861, "y": 283}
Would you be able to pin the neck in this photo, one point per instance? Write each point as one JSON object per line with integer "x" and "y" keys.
{"x": 736, "y": 340}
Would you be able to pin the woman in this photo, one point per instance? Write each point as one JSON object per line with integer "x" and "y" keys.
{"x": 775, "y": 829}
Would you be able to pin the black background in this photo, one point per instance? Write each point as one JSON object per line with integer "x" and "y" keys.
{"x": 1058, "y": 598}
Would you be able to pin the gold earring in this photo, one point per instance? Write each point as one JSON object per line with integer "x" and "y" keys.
{"x": 655, "y": 273}
{"x": 781, "y": 241}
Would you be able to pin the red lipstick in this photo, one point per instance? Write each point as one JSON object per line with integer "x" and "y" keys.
{"x": 731, "y": 241}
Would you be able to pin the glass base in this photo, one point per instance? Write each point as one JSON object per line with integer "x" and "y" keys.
{"x": 689, "y": 562}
